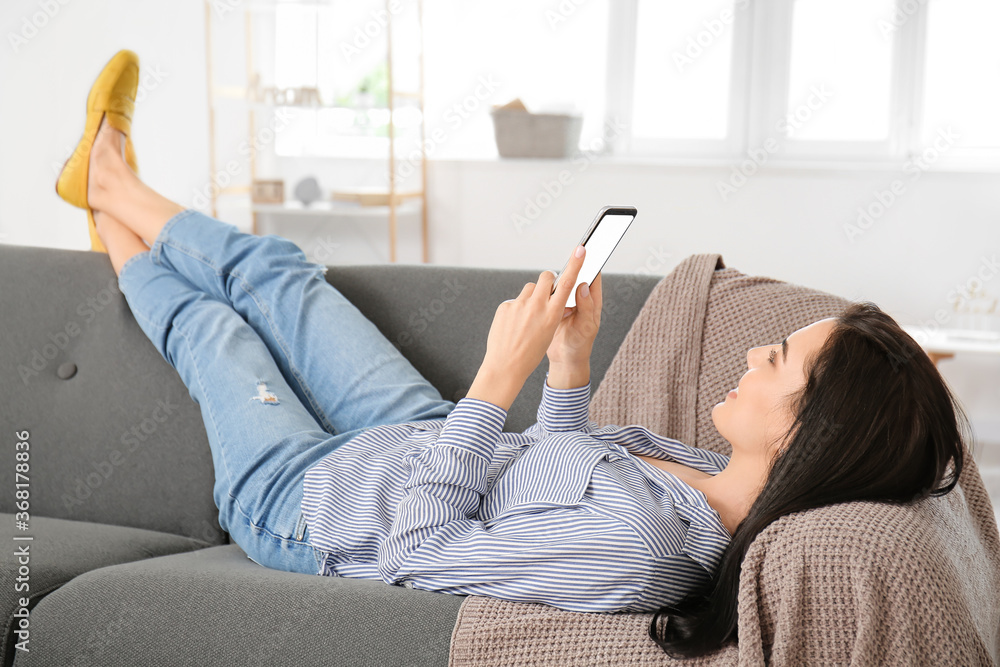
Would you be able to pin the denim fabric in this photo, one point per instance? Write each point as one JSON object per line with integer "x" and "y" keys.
{"x": 284, "y": 368}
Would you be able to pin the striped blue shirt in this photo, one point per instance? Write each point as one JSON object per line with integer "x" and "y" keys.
{"x": 562, "y": 514}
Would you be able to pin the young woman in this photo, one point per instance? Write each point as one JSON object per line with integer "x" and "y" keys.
{"x": 334, "y": 456}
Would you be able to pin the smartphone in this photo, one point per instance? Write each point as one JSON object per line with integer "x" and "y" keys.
{"x": 600, "y": 240}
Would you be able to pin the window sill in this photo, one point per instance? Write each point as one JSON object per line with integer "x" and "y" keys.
{"x": 774, "y": 164}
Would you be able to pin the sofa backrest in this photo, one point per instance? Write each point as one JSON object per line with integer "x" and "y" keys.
{"x": 115, "y": 437}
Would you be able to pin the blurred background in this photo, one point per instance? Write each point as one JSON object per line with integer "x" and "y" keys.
{"x": 849, "y": 146}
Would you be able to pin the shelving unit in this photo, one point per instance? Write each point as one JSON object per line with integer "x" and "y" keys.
{"x": 328, "y": 208}
{"x": 409, "y": 203}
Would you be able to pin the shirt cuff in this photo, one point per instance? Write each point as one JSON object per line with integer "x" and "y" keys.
{"x": 564, "y": 409}
{"x": 475, "y": 426}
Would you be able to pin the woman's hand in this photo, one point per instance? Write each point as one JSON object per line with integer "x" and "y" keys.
{"x": 574, "y": 338}
{"x": 569, "y": 351}
{"x": 522, "y": 330}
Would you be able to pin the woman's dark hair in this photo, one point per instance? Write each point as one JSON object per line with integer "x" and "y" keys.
{"x": 875, "y": 421}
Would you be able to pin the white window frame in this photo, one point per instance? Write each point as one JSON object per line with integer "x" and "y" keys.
{"x": 760, "y": 70}
{"x": 773, "y": 58}
{"x": 980, "y": 158}
{"x": 622, "y": 23}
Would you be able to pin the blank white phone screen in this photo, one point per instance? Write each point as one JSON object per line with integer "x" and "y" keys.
{"x": 599, "y": 248}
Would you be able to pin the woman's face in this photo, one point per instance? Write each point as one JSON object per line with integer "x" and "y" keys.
{"x": 755, "y": 416}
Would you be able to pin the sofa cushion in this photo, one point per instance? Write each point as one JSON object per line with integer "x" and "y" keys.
{"x": 61, "y": 550}
{"x": 216, "y": 607}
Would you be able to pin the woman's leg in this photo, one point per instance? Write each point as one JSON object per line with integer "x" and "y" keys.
{"x": 121, "y": 242}
{"x": 337, "y": 362}
{"x": 262, "y": 441}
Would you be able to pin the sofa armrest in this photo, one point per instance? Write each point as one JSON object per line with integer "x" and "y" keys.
{"x": 871, "y": 583}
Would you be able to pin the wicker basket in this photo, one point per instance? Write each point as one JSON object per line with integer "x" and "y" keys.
{"x": 544, "y": 135}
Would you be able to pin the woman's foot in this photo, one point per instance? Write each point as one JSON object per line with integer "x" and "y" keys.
{"x": 107, "y": 167}
{"x": 112, "y": 187}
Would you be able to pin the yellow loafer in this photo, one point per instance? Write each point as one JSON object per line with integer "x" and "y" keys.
{"x": 112, "y": 97}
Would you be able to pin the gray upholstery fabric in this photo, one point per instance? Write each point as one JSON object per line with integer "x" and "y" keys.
{"x": 217, "y": 607}
{"x": 446, "y": 341}
{"x": 64, "y": 549}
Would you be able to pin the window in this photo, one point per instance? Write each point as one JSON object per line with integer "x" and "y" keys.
{"x": 681, "y": 55}
{"x": 962, "y": 74}
{"x": 677, "y": 76}
{"x": 552, "y": 55}
{"x": 336, "y": 53}
{"x": 839, "y": 58}
{"x": 809, "y": 79}
{"x": 477, "y": 54}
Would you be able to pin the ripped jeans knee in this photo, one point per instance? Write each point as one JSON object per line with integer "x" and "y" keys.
{"x": 263, "y": 395}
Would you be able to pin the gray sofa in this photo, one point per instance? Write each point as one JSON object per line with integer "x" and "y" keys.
{"x": 127, "y": 563}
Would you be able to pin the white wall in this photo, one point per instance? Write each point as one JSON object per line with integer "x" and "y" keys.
{"x": 785, "y": 223}
{"x": 44, "y": 86}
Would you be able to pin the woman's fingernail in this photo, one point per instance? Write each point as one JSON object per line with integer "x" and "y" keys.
{"x": 585, "y": 290}
{"x": 579, "y": 251}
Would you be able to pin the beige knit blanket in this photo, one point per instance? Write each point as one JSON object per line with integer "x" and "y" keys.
{"x": 857, "y": 583}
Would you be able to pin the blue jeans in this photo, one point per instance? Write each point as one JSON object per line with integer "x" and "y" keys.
{"x": 284, "y": 368}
